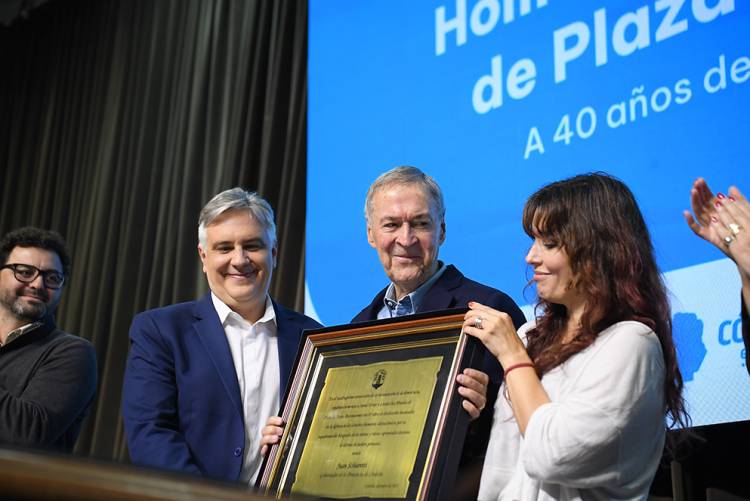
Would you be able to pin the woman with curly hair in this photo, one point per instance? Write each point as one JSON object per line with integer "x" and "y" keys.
{"x": 591, "y": 386}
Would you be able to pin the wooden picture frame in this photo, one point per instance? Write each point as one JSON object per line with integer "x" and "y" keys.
{"x": 372, "y": 411}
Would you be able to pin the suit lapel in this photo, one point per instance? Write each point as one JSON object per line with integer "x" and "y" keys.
{"x": 211, "y": 333}
{"x": 372, "y": 309}
{"x": 288, "y": 331}
{"x": 440, "y": 296}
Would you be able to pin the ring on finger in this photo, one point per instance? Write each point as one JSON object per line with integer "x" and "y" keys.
{"x": 734, "y": 228}
{"x": 478, "y": 322}
{"x": 728, "y": 240}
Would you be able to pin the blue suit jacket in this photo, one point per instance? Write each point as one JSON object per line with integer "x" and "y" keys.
{"x": 181, "y": 400}
{"x": 454, "y": 290}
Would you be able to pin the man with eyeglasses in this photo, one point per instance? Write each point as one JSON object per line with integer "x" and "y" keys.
{"x": 48, "y": 377}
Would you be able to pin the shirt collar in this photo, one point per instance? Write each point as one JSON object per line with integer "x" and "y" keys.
{"x": 16, "y": 333}
{"x": 227, "y": 314}
{"x": 416, "y": 296}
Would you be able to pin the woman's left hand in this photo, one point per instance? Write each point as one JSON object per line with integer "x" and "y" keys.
{"x": 497, "y": 333}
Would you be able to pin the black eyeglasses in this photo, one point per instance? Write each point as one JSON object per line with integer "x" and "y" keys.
{"x": 26, "y": 273}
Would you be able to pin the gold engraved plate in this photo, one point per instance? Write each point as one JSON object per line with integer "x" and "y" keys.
{"x": 365, "y": 433}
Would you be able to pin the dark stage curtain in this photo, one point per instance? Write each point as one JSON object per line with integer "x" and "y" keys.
{"x": 119, "y": 119}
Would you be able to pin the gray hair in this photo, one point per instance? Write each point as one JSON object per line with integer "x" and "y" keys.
{"x": 405, "y": 175}
{"x": 237, "y": 199}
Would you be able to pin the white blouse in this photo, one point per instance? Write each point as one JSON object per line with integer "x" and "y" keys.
{"x": 600, "y": 437}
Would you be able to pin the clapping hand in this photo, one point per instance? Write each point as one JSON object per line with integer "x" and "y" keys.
{"x": 724, "y": 221}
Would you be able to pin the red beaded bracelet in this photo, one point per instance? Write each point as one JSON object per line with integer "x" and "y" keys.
{"x": 517, "y": 366}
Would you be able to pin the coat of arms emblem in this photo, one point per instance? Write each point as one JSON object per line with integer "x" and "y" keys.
{"x": 378, "y": 379}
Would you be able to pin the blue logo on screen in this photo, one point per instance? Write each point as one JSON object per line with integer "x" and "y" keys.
{"x": 687, "y": 330}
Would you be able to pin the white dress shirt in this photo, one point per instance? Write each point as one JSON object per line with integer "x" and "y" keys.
{"x": 256, "y": 360}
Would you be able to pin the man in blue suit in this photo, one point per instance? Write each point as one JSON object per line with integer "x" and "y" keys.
{"x": 203, "y": 377}
{"x": 405, "y": 215}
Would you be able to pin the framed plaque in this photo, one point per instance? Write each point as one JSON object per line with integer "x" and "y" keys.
{"x": 372, "y": 411}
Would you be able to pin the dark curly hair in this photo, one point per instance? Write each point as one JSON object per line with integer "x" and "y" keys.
{"x": 30, "y": 236}
{"x": 596, "y": 220}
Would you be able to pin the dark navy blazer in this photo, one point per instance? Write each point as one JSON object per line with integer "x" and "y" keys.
{"x": 181, "y": 400}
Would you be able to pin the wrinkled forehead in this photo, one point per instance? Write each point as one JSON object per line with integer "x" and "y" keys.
{"x": 397, "y": 197}
{"x": 44, "y": 259}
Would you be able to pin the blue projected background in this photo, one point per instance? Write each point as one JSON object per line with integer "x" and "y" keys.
{"x": 494, "y": 98}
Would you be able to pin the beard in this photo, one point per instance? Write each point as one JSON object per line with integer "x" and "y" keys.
{"x": 22, "y": 308}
